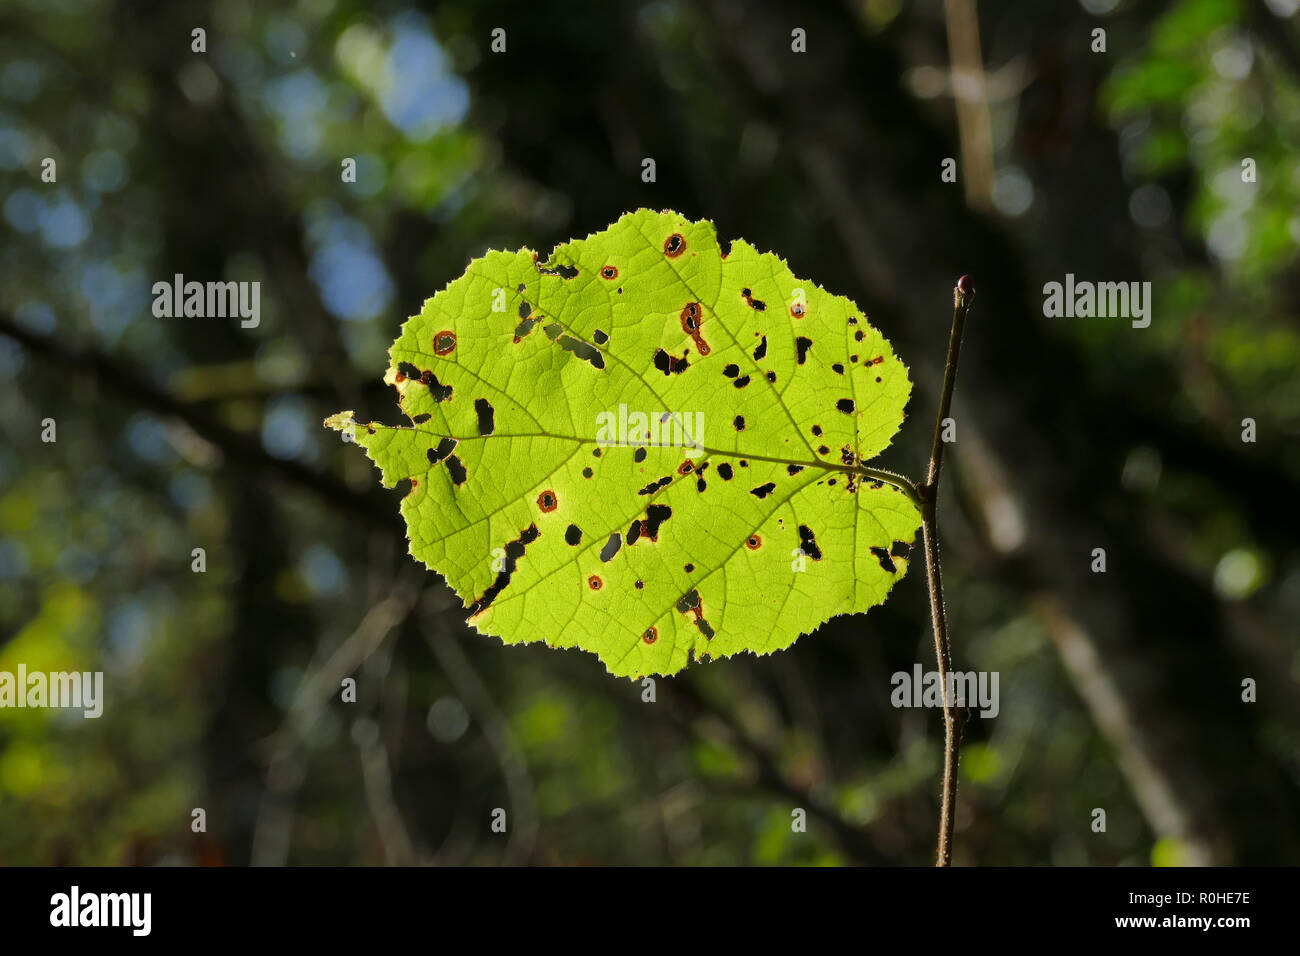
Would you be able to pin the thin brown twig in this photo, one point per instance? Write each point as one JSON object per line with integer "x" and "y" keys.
{"x": 953, "y": 717}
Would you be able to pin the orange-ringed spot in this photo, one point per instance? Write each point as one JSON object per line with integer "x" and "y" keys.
{"x": 609, "y": 272}
{"x": 674, "y": 245}
{"x": 651, "y": 635}
{"x": 444, "y": 342}
{"x": 692, "y": 317}
{"x": 753, "y": 542}
{"x": 547, "y": 501}
{"x": 595, "y": 583}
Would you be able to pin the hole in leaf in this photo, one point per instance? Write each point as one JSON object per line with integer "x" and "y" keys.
{"x": 524, "y": 328}
{"x": 445, "y": 448}
{"x": 609, "y": 272}
{"x": 547, "y": 501}
{"x": 514, "y": 551}
{"x": 584, "y": 350}
{"x": 802, "y": 344}
{"x": 656, "y": 485}
{"x": 486, "y": 416}
{"x": 573, "y": 535}
{"x": 670, "y": 364}
{"x": 457, "y": 470}
{"x": 655, "y": 516}
{"x": 674, "y": 245}
{"x": 808, "y": 543}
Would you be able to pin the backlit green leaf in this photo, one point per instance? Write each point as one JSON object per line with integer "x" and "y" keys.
{"x": 647, "y": 448}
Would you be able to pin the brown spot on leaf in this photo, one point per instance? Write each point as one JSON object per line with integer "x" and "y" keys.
{"x": 674, "y": 245}
{"x": 690, "y": 604}
{"x": 595, "y": 583}
{"x": 692, "y": 318}
{"x": 444, "y": 343}
{"x": 547, "y": 501}
{"x": 609, "y": 272}
{"x": 651, "y": 633}
{"x": 753, "y": 542}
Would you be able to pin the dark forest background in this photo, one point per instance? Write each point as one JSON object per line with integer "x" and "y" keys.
{"x": 1120, "y": 691}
